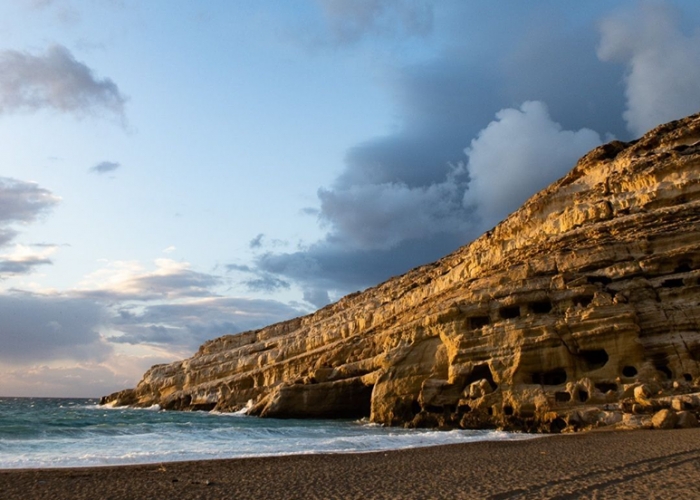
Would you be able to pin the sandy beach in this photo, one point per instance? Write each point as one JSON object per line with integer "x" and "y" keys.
{"x": 633, "y": 464}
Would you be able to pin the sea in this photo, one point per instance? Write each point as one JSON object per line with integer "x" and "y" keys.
{"x": 55, "y": 432}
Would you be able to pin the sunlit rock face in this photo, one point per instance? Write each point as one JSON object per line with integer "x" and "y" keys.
{"x": 579, "y": 310}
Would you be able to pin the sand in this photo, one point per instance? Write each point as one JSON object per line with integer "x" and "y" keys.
{"x": 632, "y": 464}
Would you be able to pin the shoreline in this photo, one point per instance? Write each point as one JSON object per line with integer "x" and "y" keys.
{"x": 633, "y": 464}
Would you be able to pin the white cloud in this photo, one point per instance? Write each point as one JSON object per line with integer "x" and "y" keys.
{"x": 519, "y": 153}
{"x": 663, "y": 65}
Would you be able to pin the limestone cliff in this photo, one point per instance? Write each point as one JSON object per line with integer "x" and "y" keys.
{"x": 580, "y": 309}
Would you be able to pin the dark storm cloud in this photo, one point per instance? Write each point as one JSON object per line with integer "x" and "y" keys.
{"x": 55, "y": 80}
{"x": 104, "y": 167}
{"x": 39, "y": 328}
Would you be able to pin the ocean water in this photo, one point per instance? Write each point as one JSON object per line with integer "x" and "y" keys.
{"x": 52, "y": 432}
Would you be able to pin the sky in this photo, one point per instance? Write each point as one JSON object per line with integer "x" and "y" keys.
{"x": 174, "y": 171}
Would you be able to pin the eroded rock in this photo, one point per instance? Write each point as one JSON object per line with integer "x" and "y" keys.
{"x": 579, "y": 310}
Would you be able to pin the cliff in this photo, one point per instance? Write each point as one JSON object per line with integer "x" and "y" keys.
{"x": 581, "y": 309}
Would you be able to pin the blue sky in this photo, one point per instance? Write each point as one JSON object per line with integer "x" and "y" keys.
{"x": 173, "y": 171}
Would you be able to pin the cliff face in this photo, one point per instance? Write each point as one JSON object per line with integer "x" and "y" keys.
{"x": 580, "y": 309}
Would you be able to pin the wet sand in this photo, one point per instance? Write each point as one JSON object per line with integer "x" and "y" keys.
{"x": 633, "y": 464}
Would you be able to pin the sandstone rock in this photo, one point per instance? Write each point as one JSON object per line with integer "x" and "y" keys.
{"x": 588, "y": 289}
{"x": 664, "y": 419}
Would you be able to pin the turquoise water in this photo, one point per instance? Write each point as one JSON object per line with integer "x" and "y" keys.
{"x": 48, "y": 432}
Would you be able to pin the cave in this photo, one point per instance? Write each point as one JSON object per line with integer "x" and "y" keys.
{"x": 605, "y": 387}
{"x": 683, "y": 267}
{"x": 541, "y": 307}
{"x": 553, "y": 377}
{"x": 672, "y": 283}
{"x": 583, "y": 301}
{"x": 687, "y": 377}
{"x": 594, "y": 358}
{"x": 582, "y": 395}
{"x": 629, "y": 371}
{"x": 665, "y": 370}
{"x": 598, "y": 280}
{"x": 508, "y": 410}
{"x": 510, "y": 312}
{"x": 476, "y": 322}
{"x": 562, "y": 397}
{"x": 479, "y": 372}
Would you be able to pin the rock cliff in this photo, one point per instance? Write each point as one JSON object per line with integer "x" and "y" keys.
{"x": 581, "y": 309}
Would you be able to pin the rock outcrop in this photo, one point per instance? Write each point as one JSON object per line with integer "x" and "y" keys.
{"x": 581, "y": 309}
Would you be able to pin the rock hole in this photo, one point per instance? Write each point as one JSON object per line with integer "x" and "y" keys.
{"x": 582, "y": 395}
{"x": 606, "y": 387}
{"x": 583, "y": 301}
{"x": 687, "y": 377}
{"x": 510, "y": 312}
{"x": 481, "y": 372}
{"x": 541, "y": 307}
{"x": 629, "y": 371}
{"x": 433, "y": 409}
{"x": 594, "y": 358}
{"x": 477, "y": 322}
{"x": 557, "y": 425}
{"x": 562, "y": 397}
{"x": 683, "y": 267}
{"x": 489, "y": 410}
{"x": 508, "y": 410}
{"x": 598, "y": 280}
{"x": 552, "y": 377}
{"x": 665, "y": 370}
{"x": 464, "y": 408}
{"x": 415, "y": 407}
{"x": 672, "y": 283}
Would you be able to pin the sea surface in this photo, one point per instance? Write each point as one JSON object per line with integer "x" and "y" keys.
{"x": 53, "y": 432}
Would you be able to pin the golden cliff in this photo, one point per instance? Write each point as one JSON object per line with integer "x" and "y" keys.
{"x": 581, "y": 309}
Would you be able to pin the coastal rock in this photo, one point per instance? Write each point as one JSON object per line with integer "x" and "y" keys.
{"x": 579, "y": 306}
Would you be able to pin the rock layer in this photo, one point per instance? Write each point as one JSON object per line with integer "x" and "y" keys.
{"x": 578, "y": 310}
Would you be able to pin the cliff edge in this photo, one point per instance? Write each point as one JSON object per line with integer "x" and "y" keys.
{"x": 579, "y": 310}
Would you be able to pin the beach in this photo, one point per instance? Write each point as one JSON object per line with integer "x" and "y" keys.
{"x": 607, "y": 464}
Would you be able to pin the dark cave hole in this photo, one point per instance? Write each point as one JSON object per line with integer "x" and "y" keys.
{"x": 629, "y": 371}
{"x": 510, "y": 312}
{"x": 562, "y": 397}
{"x": 541, "y": 307}
{"x": 557, "y": 425}
{"x": 598, "y": 280}
{"x": 605, "y": 387}
{"x": 508, "y": 410}
{"x": 583, "y": 301}
{"x": 665, "y": 370}
{"x": 481, "y": 372}
{"x": 672, "y": 283}
{"x": 552, "y": 377}
{"x": 683, "y": 267}
{"x": 687, "y": 377}
{"x": 582, "y": 395}
{"x": 477, "y": 322}
{"x": 594, "y": 358}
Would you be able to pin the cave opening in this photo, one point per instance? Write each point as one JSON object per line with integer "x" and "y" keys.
{"x": 541, "y": 307}
{"x": 477, "y": 322}
{"x": 482, "y": 371}
{"x": 606, "y": 387}
{"x": 672, "y": 283}
{"x": 510, "y": 312}
{"x": 594, "y": 358}
{"x": 629, "y": 371}
{"x": 552, "y": 377}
